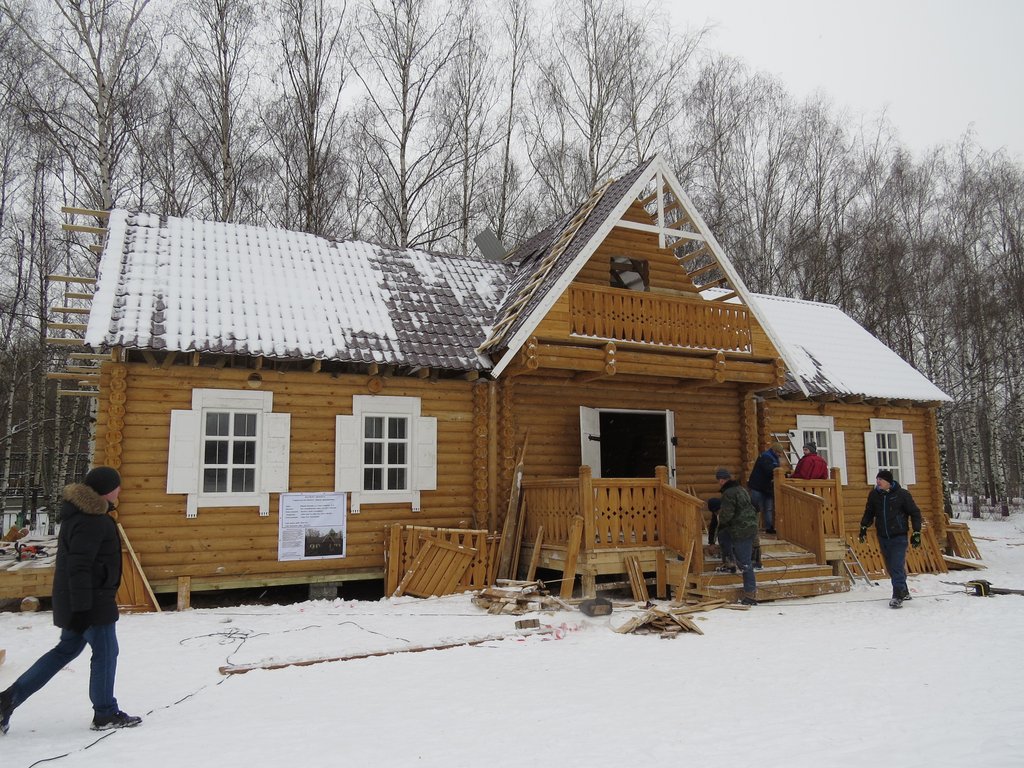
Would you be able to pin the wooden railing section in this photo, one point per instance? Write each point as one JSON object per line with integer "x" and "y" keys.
{"x": 674, "y": 321}
{"x": 617, "y": 513}
{"x": 798, "y": 519}
{"x": 831, "y": 493}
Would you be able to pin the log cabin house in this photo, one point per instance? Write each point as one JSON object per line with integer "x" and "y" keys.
{"x": 600, "y": 373}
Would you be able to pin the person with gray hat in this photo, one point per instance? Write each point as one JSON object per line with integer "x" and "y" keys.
{"x": 737, "y": 527}
{"x": 811, "y": 466}
{"x": 85, "y": 581}
{"x": 894, "y": 513}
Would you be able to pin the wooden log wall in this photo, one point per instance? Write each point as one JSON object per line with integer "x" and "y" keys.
{"x": 234, "y": 546}
{"x": 709, "y": 423}
{"x": 779, "y": 416}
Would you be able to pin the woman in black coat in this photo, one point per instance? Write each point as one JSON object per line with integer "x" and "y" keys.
{"x": 85, "y": 582}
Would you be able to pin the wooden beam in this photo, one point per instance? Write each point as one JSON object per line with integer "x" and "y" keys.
{"x": 77, "y": 295}
{"x": 66, "y": 326}
{"x": 67, "y": 376}
{"x": 471, "y": 375}
{"x": 703, "y": 270}
{"x": 372, "y": 369}
{"x": 150, "y": 358}
{"x": 169, "y": 359}
{"x": 71, "y": 279}
{"x": 66, "y": 342}
{"x": 726, "y": 297}
{"x": 667, "y": 231}
{"x": 71, "y": 310}
{"x": 77, "y": 393}
{"x": 423, "y": 373}
{"x": 87, "y": 229}
{"x": 88, "y": 356}
{"x": 90, "y": 369}
{"x": 315, "y": 366}
{"x": 95, "y": 248}
{"x": 85, "y": 211}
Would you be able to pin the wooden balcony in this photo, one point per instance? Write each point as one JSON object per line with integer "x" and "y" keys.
{"x": 652, "y": 318}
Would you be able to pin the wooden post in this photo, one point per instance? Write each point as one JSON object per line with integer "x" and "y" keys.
{"x": 184, "y": 593}
{"x": 531, "y": 572}
{"x": 586, "y": 507}
{"x": 571, "y": 555}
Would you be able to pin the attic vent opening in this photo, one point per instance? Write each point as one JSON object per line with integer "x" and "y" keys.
{"x": 631, "y": 274}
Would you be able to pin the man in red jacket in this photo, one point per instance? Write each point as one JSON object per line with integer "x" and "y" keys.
{"x": 811, "y": 466}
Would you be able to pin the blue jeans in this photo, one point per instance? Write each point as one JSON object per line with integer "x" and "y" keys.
{"x": 743, "y": 552}
{"x": 766, "y": 503}
{"x": 103, "y": 640}
{"x": 894, "y": 550}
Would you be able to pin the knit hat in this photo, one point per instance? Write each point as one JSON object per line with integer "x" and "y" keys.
{"x": 103, "y": 479}
{"x": 885, "y": 474}
{"x": 714, "y": 504}
{"x": 723, "y": 474}
{"x": 811, "y": 447}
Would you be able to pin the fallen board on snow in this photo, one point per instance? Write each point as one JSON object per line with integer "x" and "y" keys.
{"x": 237, "y": 669}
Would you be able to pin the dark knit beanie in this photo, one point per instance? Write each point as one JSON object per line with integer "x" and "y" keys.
{"x": 103, "y": 479}
{"x": 886, "y": 475}
{"x": 811, "y": 447}
{"x": 714, "y": 504}
{"x": 723, "y": 474}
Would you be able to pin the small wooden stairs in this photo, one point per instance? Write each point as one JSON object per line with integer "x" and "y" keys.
{"x": 787, "y": 571}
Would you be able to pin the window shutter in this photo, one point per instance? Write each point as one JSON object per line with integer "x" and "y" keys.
{"x": 908, "y": 471}
{"x": 276, "y": 452}
{"x": 839, "y": 455}
{"x": 346, "y": 454}
{"x": 871, "y": 456}
{"x": 184, "y": 451}
{"x": 426, "y": 454}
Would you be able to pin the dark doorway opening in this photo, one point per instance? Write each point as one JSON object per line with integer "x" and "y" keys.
{"x": 632, "y": 444}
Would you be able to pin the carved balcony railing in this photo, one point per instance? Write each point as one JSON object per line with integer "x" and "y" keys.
{"x": 652, "y": 318}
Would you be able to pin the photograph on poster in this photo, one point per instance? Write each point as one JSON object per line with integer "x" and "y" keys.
{"x": 311, "y": 526}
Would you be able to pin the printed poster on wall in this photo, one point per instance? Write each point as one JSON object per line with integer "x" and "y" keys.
{"x": 311, "y": 526}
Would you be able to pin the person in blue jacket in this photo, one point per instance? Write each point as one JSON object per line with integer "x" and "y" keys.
{"x": 762, "y": 485}
{"x": 895, "y": 513}
{"x": 85, "y": 581}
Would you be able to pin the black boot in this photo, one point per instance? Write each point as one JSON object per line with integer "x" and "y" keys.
{"x": 6, "y": 708}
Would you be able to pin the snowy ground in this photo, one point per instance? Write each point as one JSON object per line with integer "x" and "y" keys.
{"x": 830, "y": 681}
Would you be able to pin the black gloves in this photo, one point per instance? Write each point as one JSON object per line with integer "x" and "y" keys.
{"x": 79, "y": 622}
{"x": 915, "y": 540}
{"x": 863, "y": 536}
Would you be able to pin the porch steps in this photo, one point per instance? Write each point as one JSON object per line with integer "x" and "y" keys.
{"x": 788, "y": 571}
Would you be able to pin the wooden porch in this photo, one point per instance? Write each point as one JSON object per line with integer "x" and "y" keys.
{"x": 646, "y": 525}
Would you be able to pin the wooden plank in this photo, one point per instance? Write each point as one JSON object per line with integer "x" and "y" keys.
{"x": 680, "y": 586}
{"x": 511, "y": 523}
{"x": 134, "y": 594}
{"x": 531, "y": 572}
{"x": 436, "y": 570}
{"x": 637, "y": 581}
{"x": 394, "y": 557}
{"x": 571, "y": 556}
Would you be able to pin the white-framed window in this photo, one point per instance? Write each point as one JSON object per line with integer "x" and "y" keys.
{"x": 385, "y": 452}
{"x": 821, "y": 431}
{"x": 887, "y": 446}
{"x": 229, "y": 450}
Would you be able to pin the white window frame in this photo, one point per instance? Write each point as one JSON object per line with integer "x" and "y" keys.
{"x": 186, "y": 458}
{"x": 904, "y": 471}
{"x": 834, "y": 449}
{"x": 349, "y": 451}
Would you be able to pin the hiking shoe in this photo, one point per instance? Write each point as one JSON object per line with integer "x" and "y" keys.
{"x": 117, "y": 720}
{"x": 725, "y": 569}
{"x": 748, "y": 601}
{"x": 6, "y": 707}
{"x": 770, "y": 531}
{"x": 895, "y": 603}
{"x": 906, "y": 596}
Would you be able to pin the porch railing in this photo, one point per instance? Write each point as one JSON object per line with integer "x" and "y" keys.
{"x": 675, "y": 321}
{"x": 798, "y": 519}
{"x": 831, "y": 493}
{"x": 617, "y": 513}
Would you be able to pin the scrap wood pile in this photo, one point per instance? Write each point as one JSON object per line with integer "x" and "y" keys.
{"x": 671, "y": 621}
{"x": 517, "y": 597}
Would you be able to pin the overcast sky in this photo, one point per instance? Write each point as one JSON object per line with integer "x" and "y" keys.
{"x": 937, "y": 66}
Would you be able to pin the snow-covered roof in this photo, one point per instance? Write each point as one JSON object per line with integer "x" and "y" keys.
{"x": 190, "y": 285}
{"x": 832, "y": 354}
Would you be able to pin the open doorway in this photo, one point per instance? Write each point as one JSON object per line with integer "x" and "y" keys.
{"x": 625, "y": 443}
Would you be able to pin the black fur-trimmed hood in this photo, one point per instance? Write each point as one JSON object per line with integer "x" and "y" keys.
{"x": 86, "y": 499}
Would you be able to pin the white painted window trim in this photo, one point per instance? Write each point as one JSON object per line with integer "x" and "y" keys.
{"x": 348, "y": 451}
{"x": 184, "y": 463}
{"x": 837, "y": 441}
{"x": 907, "y": 466}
